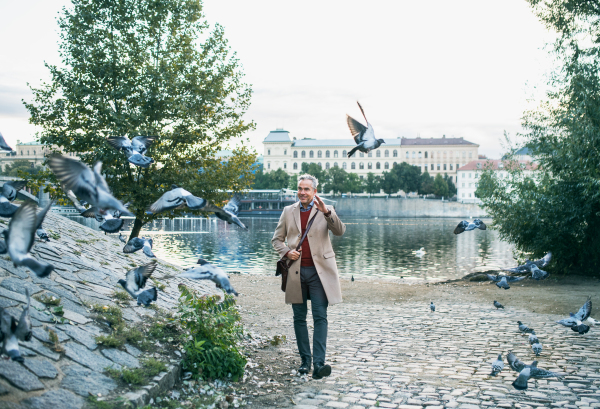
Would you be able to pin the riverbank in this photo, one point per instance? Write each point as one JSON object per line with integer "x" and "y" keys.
{"x": 388, "y": 350}
{"x": 398, "y": 207}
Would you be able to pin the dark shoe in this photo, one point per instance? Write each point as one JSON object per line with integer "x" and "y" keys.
{"x": 304, "y": 367}
{"x": 321, "y": 371}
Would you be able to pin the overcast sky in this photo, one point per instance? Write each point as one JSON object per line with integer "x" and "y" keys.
{"x": 461, "y": 68}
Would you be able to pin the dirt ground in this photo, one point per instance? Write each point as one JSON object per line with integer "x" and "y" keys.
{"x": 264, "y": 311}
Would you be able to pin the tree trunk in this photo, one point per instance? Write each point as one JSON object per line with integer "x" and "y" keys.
{"x": 137, "y": 226}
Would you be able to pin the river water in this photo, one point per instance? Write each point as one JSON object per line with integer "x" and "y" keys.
{"x": 371, "y": 247}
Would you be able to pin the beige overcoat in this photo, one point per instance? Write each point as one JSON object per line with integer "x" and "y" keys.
{"x": 320, "y": 247}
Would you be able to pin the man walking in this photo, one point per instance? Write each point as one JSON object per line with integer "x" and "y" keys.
{"x": 313, "y": 274}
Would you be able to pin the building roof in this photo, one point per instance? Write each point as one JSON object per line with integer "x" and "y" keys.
{"x": 523, "y": 151}
{"x": 278, "y": 135}
{"x": 497, "y": 164}
{"x": 436, "y": 141}
{"x": 30, "y": 143}
{"x": 341, "y": 143}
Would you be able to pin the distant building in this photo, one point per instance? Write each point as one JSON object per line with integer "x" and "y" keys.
{"x": 436, "y": 155}
{"x": 33, "y": 152}
{"x": 468, "y": 175}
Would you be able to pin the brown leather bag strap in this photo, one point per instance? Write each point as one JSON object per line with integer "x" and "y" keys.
{"x": 299, "y": 246}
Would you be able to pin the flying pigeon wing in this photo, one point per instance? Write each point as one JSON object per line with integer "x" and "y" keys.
{"x": 233, "y": 206}
{"x": 148, "y": 250}
{"x": 23, "y": 331}
{"x": 356, "y": 129}
{"x": 461, "y": 227}
{"x": 479, "y": 224}
{"x": 7, "y": 209}
{"x": 168, "y": 201}
{"x": 112, "y": 225}
{"x": 521, "y": 382}
{"x": 146, "y": 297}
{"x": 544, "y": 261}
{"x": 100, "y": 181}
{"x": 515, "y": 363}
{"x": 21, "y": 229}
{"x": 197, "y": 273}
{"x": 517, "y": 270}
{"x": 75, "y": 176}
{"x": 76, "y": 203}
{"x": 3, "y": 144}
{"x": 144, "y": 272}
{"x": 195, "y": 203}
{"x": 585, "y": 310}
{"x": 133, "y": 245}
{"x": 540, "y": 373}
{"x": 91, "y": 212}
{"x": 142, "y": 143}
{"x": 494, "y": 278}
{"x": 512, "y": 279}
{"x": 119, "y": 142}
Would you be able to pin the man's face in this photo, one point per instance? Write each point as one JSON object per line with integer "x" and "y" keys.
{"x": 306, "y": 193}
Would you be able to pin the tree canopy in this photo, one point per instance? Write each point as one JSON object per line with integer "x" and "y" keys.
{"x": 147, "y": 67}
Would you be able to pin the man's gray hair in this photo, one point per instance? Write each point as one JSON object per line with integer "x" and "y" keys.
{"x": 314, "y": 180}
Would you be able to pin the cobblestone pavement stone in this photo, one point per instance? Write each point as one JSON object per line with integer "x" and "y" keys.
{"x": 405, "y": 357}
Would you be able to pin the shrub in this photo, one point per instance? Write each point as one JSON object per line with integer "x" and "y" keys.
{"x": 215, "y": 329}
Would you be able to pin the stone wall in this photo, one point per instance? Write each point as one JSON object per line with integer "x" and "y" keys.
{"x": 400, "y": 207}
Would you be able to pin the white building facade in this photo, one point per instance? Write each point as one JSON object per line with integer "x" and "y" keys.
{"x": 468, "y": 176}
{"x": 436, "y": 155}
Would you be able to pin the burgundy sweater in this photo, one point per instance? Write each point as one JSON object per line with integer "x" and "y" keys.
{"x": 307, "y": 260}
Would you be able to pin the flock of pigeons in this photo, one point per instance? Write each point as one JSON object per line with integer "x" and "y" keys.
{"x": 86, "y": 186}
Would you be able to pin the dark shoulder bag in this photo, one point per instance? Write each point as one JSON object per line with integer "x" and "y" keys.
{"x": 284, "y": 264}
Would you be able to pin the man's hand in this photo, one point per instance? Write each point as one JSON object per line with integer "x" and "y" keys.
{"x": 293, "y": 254}
{"x": 320, "y": 204}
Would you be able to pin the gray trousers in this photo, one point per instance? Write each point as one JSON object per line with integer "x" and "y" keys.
{"x": 311, "y": 289}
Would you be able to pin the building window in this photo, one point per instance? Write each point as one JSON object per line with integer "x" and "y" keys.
{"x": 469, "y": 175}
{"x": 407, "y": 155}
{"x": 378, "y": 154}
{"x": 295, "y": 154}
{"x": 386, "y": 165}
{"x": 362, "y": 154}
{"x": 470, "y": 155}
{"x": 425, "y": 154}
{"x": 295, "y": 165}
{"x": 344, "y": 154}
{"x": 378, "y": 165}
{"x": 21, "y": 153}
{"x": 463, "y": 185}
{"x": 387, "y": 153}
{"x": 457, "y": 166}
{"x": 327, "y": 164}
{"x": 268, "y": 165}
{"x": 352, "y": 166}
{"x": 451, "y": 167}
{"x": 420, "y": 155}
{"x": 268, "y": 151}
{"x": 335, "y": 154}
{"x": 303, "y": 154}
{"x": 285, "y": 151}
{"x": 395, "y": 153}
{"x": 327, "y": 154}
{"x": 469, "y": 195}
{"x": 432, "y": 166}
{"x": 444, "y": 166}
{"x": 33, "y": 153}
{"x": 395, "y": 163}
{"x": 335, "y": 165}
{"x": 464, "y": 154}
{"x": 320, "y": 165}
{"x": 311, "y": 154}
{"x": 370, "y": 155}
{"x": 285, "y": 165}
{"x": 414, "y": 154}
{"x": 319, "y": 154}
{"x": 369, "y": 165}
{"x": 361, "y": 165}
{"x": 439, "y": 167}
{"x": 344, "y": 165}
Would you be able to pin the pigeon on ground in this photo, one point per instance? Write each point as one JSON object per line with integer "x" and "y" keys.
{"x": 533, "y": 339}
{"x": 497, "y": 366}
{"x": 208, "y": 271}
{"x": 524, "y": 328}
{"x": 466, "y": 226}
{"x": 135, "y": 244}
{"x": 575, "y": 321}
{"x": 19, "y": 238}
{"x": 176, "y": 197}
{"x": 502, "y": 281}
{"x": 9, "y": 194}
{"x": 134, "y": 149}
{"x": 112, "y": 222}
{"x": 123, "y": 239}
{"x": 24, "y": 331}
{"x": 432, "y": 307}
{"x": 363, "y": 136}
{"x": 42, "y": 234}
{"x": 146, "y": 297}
{"x": 10, "y": 343}
{"x": 533, "y": 267}
{"x": 136, "y": 279}
{"x": 87, "y": 184}
{"x": 537, "y": 348}
{"x": 532, "y": 372}
{"x": 498, "y": 305}
{"x": 229, "y": 212}
{"x": 3, "y": 144}
{"x": 352, "y": 279}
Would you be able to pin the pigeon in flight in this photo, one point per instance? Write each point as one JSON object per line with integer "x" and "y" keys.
{"x": 135, "y": 244}
{"x": 592, "y": 321}
{"x": 9, "y": 194}
{"x": 134, "y": 149}
{"x": 363, "y": 136}
{"x": 515, "y": 363}
{"x": 19, "y": 238}
{"x": 3, "y": 144}
{"x": 533, "y": 339}
{"x": 575, "y": 321}
{"x": 502, "y": 281}
{"x": 532, "y": 371}
{"x": 498, "y": 305}
{"x": 10, "y": 343}
{"x": 432, "y": 307}
{"x": 497, "y": 366}
{"x": 123, "y": 239}
{"x": 533, "y": 267}
{"x": 136, "y": 279}
{"x": 466, "y": 226}
{"x": 524, "y": 328}
{"x": 229, "y": 212}
{"x": 85, "y": 183}
{"x": 112, "y": 222}
{"x": 208, "y": 271}
{"x": 537, "y": 348}
{"x": 176, "y": 197}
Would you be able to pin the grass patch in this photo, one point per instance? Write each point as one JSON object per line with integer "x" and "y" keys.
{"x": 77, "y": 253}
{"x": 111, "y": 341}
{"x": 57, "y": 347}
{"x": 82, "y": 241}
{"x": 158, "y": 285}
{"x": 48, "y": 300}
{"x": 111, "y": 314}
{"x": 138, "y": 376}
{"x": 121, "y": 295}
{"x": 53, "y": 235}
{"x": 153, "y": 367}
{"x": 133, "y": 376}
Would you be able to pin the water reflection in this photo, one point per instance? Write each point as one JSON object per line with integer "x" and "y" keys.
{"x": 373, "y": 247}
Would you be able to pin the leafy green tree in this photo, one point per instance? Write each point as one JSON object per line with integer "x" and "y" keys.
{"x": 336, "y": 180}
{"x": 372, "y": 183}
{"x": 276, "y": 179}
{"x": 389, "y": 182}
{"x": 353, "y": 184}
{"x": 20, "y": 168}
{"x": 440, "y": 187}
{"x": 408, "y": 176}
{"x": 451, "y": 186}
{"x": 558, "y": 209}
{"x": 316, "y": 171}
{"x": 426, "y": 184}
{"x": 147, "y": 67}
